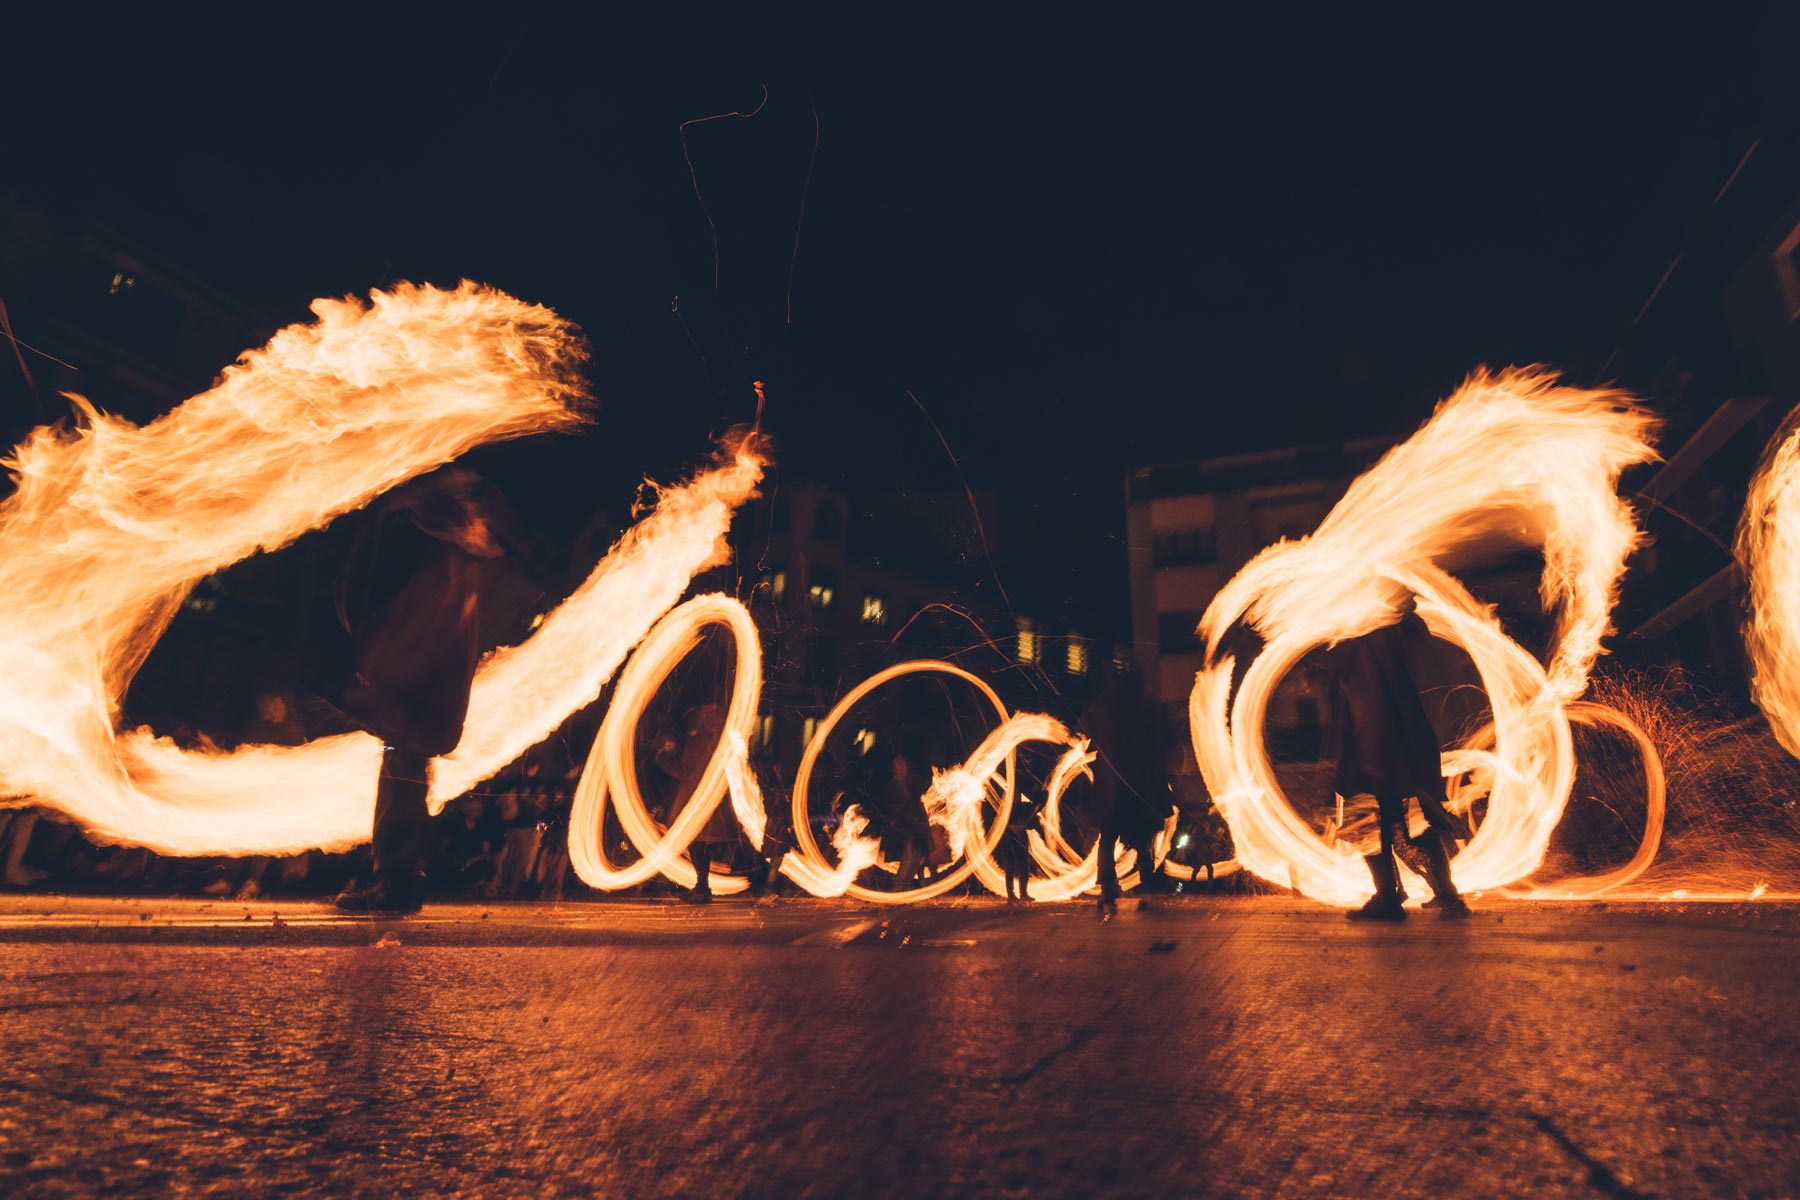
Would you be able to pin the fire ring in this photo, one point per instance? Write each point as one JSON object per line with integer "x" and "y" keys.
{"x": 1532, "y": 766}
{"x": 982, "y": 850}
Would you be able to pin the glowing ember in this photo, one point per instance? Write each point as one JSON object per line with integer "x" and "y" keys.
{"x": 1509, "y": 459}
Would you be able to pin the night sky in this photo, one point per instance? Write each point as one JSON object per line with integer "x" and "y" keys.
{"x": 1082, "y": 247}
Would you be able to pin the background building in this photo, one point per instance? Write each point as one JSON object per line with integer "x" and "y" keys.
{"x": 1189, "y": 528}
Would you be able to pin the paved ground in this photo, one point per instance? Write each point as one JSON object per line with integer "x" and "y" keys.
{"x": 1244, "y": 1047}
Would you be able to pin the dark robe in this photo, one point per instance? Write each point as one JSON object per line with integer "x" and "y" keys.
{"x": 416, "y": 656}
{"x": 1381, "y": 738}
{"x": 1131, "y": 780}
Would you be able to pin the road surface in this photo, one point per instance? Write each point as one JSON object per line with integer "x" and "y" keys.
{"x": 1250, "y": 1046}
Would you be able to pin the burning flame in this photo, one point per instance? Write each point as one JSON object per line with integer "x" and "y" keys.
{"x": 112, "y": 524}
{"x": 1768, "y": 553}
{"x": 1510, "y": 458}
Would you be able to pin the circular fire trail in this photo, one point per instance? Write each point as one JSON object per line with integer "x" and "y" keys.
{"x": 1768, "y": 554}
{"x": 1511, "y": 460}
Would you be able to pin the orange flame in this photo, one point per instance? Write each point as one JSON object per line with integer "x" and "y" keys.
{"x": 1768, "y": 552}
{"x": 112, "y": 524}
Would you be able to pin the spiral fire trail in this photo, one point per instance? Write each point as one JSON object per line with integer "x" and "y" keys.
{"x": 1510, "y": 459}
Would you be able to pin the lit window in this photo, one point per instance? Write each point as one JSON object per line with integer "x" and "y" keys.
{"x": 778, "y": 584}
{"x": 121, "y": 282}
{"x": 865, "y": 740}
{"x": 810, "y": 727}
{"x": 765, "y": 730}
{"x": 823, "y": 589}
{"x": 874, "y": 610}
{"x": 1121, "y": 661}
{"x": 1028, "y": 642}
{"x": 1077, "y": 660}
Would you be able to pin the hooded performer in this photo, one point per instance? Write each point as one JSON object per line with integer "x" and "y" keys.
{"x": 1386, "y": 750}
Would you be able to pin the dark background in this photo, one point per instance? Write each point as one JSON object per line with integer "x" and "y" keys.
{"x": 1081, "y": 246}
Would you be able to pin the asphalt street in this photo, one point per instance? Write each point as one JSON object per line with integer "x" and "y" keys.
{"x": 1241, "y": 1047}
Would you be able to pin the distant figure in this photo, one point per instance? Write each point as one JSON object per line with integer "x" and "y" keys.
{"x": 1014, "y": 851}
{"x": 908, "y": 835}
{"x": 778, "y": 832}
{"x": 890, "y": 794}
{"x": 684, "y": 759}
{"x": 411, "y": 601}
{"x": 1386, "y": 750}
{"x": 1131, "y": 785}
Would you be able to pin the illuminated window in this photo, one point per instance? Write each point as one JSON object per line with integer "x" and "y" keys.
{"x": 121, "y": 282}
{"x": 1028, "y": 642}
{"x": 823, "y": 590}
{"x": 765, "y": 731}
{"x": 810, "y": 727}
{"x": 1121, "y": 661}
{"x": 864, "y": 741}
{"x": 1077, "y": 657}
{"x": 874, "y": 610}
{"x": 778, "y": 584}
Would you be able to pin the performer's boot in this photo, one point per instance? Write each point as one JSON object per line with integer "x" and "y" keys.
{"x": 1388, "y": 902}
{"x": 1433, "y": 844}
{"x": 398, "y": 839}
{"x": 700, "y": 854}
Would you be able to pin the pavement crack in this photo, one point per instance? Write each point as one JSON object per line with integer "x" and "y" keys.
{"x": 1078, "y": 1037}
{"x": 1599, "y": 1174}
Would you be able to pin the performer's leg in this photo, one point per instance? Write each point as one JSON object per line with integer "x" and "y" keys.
{"x": 1107, "y": 849}
{"x": 1434, "y": 845}
{"x": 1387, "y": 904}
{"x": 398, "y": 837}
{"x": 401, "y": 819}
{"x": 1150, "y": 876}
